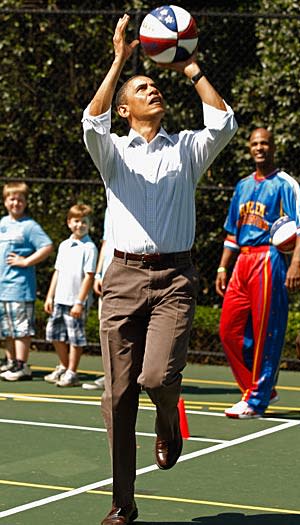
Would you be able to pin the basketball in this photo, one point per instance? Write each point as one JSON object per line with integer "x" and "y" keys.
{"x": 168, "y": 34}
{"x": 283, "y": 234}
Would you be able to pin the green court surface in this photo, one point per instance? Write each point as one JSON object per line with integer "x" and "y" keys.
{"x": 55, "y": 464}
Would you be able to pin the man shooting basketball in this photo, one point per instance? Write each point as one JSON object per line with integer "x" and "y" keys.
{"x": 150, "y": 288}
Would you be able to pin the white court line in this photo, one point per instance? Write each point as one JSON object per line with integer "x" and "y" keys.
{"x": 97, "y": 403}
{"x": 150, "y": 468}
{"x": 237, "y": 441}
{"x": 141, "y": 407}
{"x": 266, "y": 419}
{"x": 94, "y": 429}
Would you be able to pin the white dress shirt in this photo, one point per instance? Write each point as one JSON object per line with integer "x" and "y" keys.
{"x": 150, "y": 187}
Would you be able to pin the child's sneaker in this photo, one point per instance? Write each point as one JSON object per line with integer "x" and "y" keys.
{"x": 69, "y": 378}
{"x": 98, "y": 384}
{"x": 241, "y": 410}
{"x": 17, "y": 373}
{"x": 6, "y": 364}
{"x": 56, "y": 374}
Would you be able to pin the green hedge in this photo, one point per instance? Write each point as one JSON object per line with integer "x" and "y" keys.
{"x": 204, "y": 336}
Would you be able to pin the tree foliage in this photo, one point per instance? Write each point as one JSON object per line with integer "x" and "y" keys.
{"x": 54, "y": 54}
{"x": 267, "y": 91}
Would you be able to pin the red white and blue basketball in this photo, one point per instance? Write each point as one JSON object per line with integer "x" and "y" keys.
{"x": 283, "y": 234}
{"x": 169, "y": 34}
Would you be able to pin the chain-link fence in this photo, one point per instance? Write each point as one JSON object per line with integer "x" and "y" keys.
{"x": 58, "y": 57}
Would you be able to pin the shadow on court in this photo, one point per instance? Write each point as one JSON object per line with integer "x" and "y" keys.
{"x": 38, "y": 375}
{"x": 196, "y": 390}
{"x": 237, "y": 518}
{"x": 234, "y": 518}
{"x": 291, "y": 414}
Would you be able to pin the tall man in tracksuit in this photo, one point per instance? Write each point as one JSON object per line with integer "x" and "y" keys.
{"x": 255, "y": 307}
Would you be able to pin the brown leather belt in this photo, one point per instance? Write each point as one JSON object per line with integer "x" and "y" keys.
{"x": 158, "y": 258}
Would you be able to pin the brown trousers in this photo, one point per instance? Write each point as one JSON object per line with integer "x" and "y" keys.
{"x": 146, "y": 317}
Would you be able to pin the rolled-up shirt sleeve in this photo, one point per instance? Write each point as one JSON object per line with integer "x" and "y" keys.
{"x": 217, "y": 118}
{"x": 206, "y": 144}
{"x": 97, "y": 139}
{"x": 100, "y": 124}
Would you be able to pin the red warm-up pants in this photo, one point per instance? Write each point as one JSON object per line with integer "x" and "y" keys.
{"x": 253, "y": 322}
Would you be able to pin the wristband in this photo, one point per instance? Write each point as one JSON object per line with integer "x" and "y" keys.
{"x": 231, "y": 245}
{"x": 221, "y": 269}
{"x": 97, "y": 276}
{"x": 197, "y": 77}
{"x": 78, "y": 301}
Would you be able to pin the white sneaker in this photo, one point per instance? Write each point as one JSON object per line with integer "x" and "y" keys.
{"x": 17, "y": 373}
{"x": 241, "y": 410}
{"x": 56, "y": 374}
{"x": 7, "y": 364}
{"x": 98, "y": 384}
{"x": 69, "y": 378}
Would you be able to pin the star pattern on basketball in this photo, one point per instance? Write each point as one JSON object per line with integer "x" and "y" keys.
{"x": 166, "y": 16}
{"x": 168, "y": 34}
{"x": 169, "y": 19}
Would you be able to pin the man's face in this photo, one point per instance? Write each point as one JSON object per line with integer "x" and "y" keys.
{"x": 143, "y": 99}
{"x": 15, "y": 203}
{"x": 262, "y": 147}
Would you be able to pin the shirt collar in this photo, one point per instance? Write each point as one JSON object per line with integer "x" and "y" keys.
{"x": 136, "y": 138}
{"x": 75, "y": 242}
{"x": 266, "y": 176}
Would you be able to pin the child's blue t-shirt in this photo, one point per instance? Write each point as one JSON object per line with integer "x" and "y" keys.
{"x": 23, "y": 237}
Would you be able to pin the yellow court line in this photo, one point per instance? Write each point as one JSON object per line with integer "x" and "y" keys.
{"x": 144, "y": 402}
{"x": 211, "y": 404}
{"x": 158, "y": 498}
{"x": 217, "y": 504}
{"x": 188, "y": 403}
{"x": 208, "y": 381}
{"x": 81, "y": 371}
{"x": 194, "y": 405}
{"x": 46, "y": 400}
{"x": 54, "y": 396}
{"x": 282, "y": 407}
{"x": 101, "y": 372}
{"x": 289, "y": 388}
{"x": 232, "y": 383}
{"x": 33, "y": 485}
{"x": 24, "y": 400}
{"x": 184, "y": 381}
{"x": 270, "y": 410}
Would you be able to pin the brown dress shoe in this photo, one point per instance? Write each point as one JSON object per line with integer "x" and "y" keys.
{"x": 167, "y": 452}
{"x": 121, "y": 515}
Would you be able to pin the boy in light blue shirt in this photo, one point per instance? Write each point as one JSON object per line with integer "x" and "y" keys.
{"x": 23, "y": 244}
